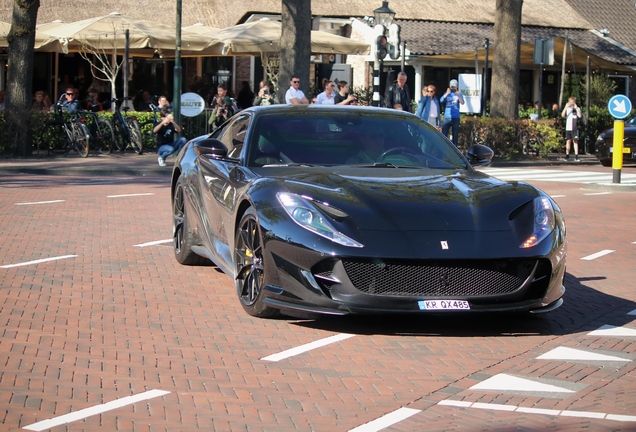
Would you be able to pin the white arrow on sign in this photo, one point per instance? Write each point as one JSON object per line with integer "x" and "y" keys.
{"x": 620, "y": 106}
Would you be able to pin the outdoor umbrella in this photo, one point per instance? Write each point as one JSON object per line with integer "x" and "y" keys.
{"x": 108, "y": 32}
{"x": 263, "y": 36}
{"x": 43, "y": 41}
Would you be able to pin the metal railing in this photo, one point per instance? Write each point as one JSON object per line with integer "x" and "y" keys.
{"x": 197, "y": 126}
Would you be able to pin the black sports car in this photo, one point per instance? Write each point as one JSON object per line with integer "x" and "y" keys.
{"x": 605, "y": 144}
{"x": 337, "y": 210}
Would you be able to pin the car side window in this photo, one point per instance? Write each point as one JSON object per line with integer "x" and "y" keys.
{"x": 234, "y": 135}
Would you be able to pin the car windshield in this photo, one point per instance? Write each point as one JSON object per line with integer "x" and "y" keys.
{"x": 348, "y": 136}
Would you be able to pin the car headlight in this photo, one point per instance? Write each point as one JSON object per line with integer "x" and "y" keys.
{"x": 307, "y": 216}
{"x": 544, "y": 222}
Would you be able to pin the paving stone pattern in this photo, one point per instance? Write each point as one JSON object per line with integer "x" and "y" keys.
{"x": 119, "y": 320}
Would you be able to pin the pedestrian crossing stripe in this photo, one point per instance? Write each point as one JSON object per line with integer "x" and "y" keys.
{"x": 610, "y": 330}
{"x": 585, "y": 177}
{"x": 564, "y": 353}
{"x": 505, "y": 382}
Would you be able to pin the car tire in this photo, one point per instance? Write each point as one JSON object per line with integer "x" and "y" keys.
{"x": 182, "y": 238}
{"x": 250, "y": 269}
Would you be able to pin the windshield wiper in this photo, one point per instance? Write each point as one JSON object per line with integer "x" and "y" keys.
{"x": 293, "y": 164}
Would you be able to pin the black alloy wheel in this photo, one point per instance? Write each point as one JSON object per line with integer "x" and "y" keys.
{"x": 250, "y": 271}
{"x": 183, "y": 238}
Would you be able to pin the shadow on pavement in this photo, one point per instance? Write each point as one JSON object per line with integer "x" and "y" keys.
{"x": 584, "y": 309}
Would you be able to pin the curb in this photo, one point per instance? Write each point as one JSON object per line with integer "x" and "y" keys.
{"x": 611, "y": 187}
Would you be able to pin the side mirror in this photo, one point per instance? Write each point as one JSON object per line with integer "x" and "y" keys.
{"x": 210, "y": 146}
{"x": 479, "y": 154}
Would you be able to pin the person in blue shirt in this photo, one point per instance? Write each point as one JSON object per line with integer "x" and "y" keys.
{"x": 70, "y": 102}
{"x": 428, "y": 109}
{"x": 453, "y": 99}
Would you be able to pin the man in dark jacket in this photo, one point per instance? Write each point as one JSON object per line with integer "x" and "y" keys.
{"x": 399, "y": 94}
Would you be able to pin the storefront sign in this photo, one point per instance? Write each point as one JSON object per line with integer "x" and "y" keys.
{"x": 470, "y": 86}
{"x": 191, "y": 104}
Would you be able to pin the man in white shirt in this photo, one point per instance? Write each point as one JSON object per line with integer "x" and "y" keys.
{"x": 572, "y": 113}
{"x": 295, "y": 95}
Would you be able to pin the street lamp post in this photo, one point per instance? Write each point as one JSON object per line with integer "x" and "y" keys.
{"x": 383, "y": 17}
{"x": 176, "y": 98}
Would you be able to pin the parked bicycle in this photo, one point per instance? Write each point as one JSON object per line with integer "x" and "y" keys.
{"x": 102, "y": 136}
{"x": 149, "y": 138}
{"x": 72, "y": 127}
{"x": 126, "y": 128}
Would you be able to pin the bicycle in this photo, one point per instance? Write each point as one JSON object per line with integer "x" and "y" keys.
{"x": 76, "y": 132}
{"x": 126, "y": 128}
{"x": 149, "y": 138}
{"x": 101, "y": 131}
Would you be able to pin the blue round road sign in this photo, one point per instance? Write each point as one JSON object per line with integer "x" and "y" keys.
{"x": 619, "y": 106}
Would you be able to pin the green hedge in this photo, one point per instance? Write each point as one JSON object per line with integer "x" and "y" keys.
{"x": 44, "y": 136}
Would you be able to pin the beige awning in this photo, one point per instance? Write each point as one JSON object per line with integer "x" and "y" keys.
{"x": 263, "y": 36}
{"x": 108, "y": 32}
{"x": 43, "y": 41}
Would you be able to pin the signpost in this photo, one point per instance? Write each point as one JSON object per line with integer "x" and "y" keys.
{"x": 470, "y": 86}
{"x": 619, "y": 107}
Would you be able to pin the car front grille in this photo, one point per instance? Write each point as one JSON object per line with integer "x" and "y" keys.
{"x": 439, "y": 278}
{"x": 629, "y": 141}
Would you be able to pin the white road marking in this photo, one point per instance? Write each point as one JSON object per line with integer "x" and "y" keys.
{"x": 583, "y": 414}
{"x": 97, "y": 409}
{"x": 129, "y": 195}
{"x": 516, "y": 174}
{"x": 610, "y": 330}
{"x": 307, "y": 347}
{"x": 386, "y": 420}
{"x": 598, "y": 193}
{"x": 564, "y": 353}
{"x": 40, "y": 202}
{"x": 597, "y": 255}
{"x": 38, "y": 261}
{"x": 496, "y": 407}
{"x": 25, "y": 181}
{"x": 152, "y": 243}
{"x": 558, "y": 196}
{"x": 512, "y": 383}
{"x": 565, "y": 413}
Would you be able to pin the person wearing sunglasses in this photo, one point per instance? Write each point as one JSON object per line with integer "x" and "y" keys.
{"x": 70, "y": 103}
{"x": 295, "y": 95}
{"x": 428, "y": 109}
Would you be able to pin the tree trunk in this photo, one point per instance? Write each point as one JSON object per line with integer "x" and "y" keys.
{"x": 295, "y": 45}
{"x": 19, "y": 96}
{"x": 506, "y": 63}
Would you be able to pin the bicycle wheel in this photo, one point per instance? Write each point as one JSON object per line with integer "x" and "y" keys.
{"x": 148, "y": 137}
{"x": 81, "y": 138}
{"x": 135, "y": 136}
{"x": 119, "y": 137}
{"x": 105, "y": 136}
{"x": 53, "y": 139}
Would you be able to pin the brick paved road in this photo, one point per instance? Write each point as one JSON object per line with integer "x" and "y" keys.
{"x": 112, "y": 319}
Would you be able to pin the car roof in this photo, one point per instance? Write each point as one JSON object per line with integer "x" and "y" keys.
{"x": 283, "y": 108}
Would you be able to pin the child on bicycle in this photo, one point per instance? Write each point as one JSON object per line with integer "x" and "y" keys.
{"x": 165, "y": 131}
